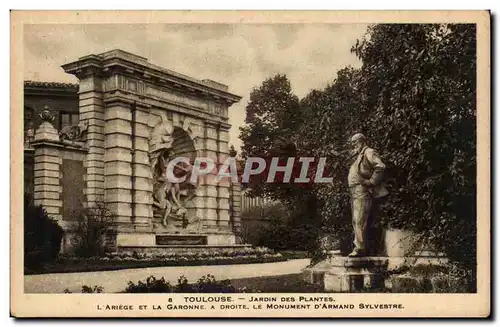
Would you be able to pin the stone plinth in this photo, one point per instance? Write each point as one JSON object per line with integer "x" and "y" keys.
{"x": 188, "y": 239}
{"x": 344, "y": 274}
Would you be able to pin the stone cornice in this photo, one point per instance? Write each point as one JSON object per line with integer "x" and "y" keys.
{"x": 124, "y": 63}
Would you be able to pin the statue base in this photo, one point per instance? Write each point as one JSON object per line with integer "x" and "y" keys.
{"x": 346, "y": 274}
{"x": 176, "y": 242}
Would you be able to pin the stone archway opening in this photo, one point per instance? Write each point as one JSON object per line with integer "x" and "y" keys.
{"x": 183, "y": 145}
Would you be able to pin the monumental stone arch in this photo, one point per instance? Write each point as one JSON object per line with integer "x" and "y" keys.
{"x": 139, "y": 116}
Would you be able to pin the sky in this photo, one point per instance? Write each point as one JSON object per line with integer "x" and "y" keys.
{"x": 240, "y": 56}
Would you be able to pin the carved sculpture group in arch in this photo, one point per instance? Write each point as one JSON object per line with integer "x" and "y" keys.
{"x": 170, "y": 198}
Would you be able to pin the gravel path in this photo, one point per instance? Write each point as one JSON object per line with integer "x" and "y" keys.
{"x": 116, "y": 281}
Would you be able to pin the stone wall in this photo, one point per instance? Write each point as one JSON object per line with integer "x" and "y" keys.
{"x": 72, "y": 174}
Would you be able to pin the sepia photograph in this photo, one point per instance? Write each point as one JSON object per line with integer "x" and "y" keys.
{"x": 250, "y": 164}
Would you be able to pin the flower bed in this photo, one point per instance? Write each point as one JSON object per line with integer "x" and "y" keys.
{"x": 117, "y": 261}
{"x": 191, "y": 255}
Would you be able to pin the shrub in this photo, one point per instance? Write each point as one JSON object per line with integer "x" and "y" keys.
{"x": 456, "y": 278}
{"x": 278, "y": 227}
{"x": 281, "y": 235}
{"x": 95, "y": 289}
{"x": 88, "y": 289}
{"x": 93, "y": 228}
{"x": 151, "y": 285}
{"x": 206, "y": 284}
{"x": 183, "y": 285}
{"x": 42, "y": 235}
{"x": 253, "y": 221}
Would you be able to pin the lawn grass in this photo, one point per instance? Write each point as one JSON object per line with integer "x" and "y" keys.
{"x": 291, "y": 283}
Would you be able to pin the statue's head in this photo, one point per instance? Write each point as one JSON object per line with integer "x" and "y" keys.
{"x": 357, "y": 142}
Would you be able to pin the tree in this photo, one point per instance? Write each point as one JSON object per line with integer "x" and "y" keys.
{"x": 414, "y": 97}
{"x": 419, "y": 82}
{"x": 273, "y": 120}
{"x": 332, "y": 116}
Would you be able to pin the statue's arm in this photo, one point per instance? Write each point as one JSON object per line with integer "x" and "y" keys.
{"x": 378, "y": 166}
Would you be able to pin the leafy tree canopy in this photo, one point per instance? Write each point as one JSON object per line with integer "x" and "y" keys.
{"x": 414, "y": 98}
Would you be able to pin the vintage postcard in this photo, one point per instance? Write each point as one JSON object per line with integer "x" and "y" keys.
{"x": 250, "y": 164}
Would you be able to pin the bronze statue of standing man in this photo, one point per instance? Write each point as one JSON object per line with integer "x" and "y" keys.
{"x": 365, "y": 186}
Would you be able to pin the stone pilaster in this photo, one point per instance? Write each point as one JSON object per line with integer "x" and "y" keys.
{"x": 236, "y": 209}
{"x": 92, "y": 111}
{"x": 207, "y": 192}
{"x": 224, "y": 185}
{"x": 213, "y": 196}
{"x": 47, "y": 187}
{"x": 118, "y": 160}
{"x": 128, "y": 187}
{"x": 142, "y": 193}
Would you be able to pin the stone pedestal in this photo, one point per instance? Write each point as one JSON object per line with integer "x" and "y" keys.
{"x": 344, "y": 274}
